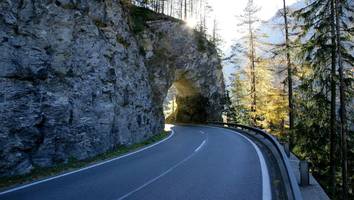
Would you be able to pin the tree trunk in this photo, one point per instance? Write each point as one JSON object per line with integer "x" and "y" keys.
{"x": 342, "y": 107}
{"x": 181, "y": 13}
{"x": 185, "y": 9}
{"x": 333, "y": 104}
{"x": 253, "y": 72}
{"x": 163, "y": 7}
{"x": 171, "y": 7}
{"x": 214, "y": 32}
{"x": 191, "y": 8}
{"x": 290, "y": 80}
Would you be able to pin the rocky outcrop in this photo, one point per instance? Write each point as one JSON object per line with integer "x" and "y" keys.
{"x": 77, "y": 79}
{"x": 176, "y": 54}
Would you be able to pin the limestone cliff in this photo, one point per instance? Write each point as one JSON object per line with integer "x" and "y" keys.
{"x": 176, "y": 54}
{"x": 79, "y": 78}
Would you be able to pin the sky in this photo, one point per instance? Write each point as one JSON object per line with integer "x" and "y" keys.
{"x": 226, "y": 11}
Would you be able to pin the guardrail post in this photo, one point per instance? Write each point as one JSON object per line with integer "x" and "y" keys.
{"x": 287, "y": 149}
{"x": 304, "y": 173}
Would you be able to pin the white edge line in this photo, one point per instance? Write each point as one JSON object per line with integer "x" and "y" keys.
{"x": 266, "y": 191}
{"x": 162, "y": 174}
{"x": 86, "y": 168}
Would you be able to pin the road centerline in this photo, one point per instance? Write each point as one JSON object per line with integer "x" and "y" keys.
{"x": 200, "y": 146}
{"x": 190, "y": 160}
{"x": 162, "y": 174}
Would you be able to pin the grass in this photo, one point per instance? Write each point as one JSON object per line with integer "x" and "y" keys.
{"x": 72, "y": 164}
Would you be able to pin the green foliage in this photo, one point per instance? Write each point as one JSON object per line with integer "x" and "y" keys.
{"x": 312, "y": 72}
{"x": 100, "y": 23}
{"x": 315, "y": 23}
{"x": 237, "y": 109}
{"x": 69, "y": 6}
{"x": 142, "y": 51}
{"x": 72, "y": 163}
{"x": 312, "y": 126}
{"x": 139, "y": 17}
{"x": 201, "y": 41}
{"x": 160, "y": 53}
{"x": 122, "y": 41}
{"x": 271, "y": 102}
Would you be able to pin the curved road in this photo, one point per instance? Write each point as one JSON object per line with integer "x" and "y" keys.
{"x": 196, "y": 162}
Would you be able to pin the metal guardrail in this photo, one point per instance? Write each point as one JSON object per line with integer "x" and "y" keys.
{"x": 295, "y": 190}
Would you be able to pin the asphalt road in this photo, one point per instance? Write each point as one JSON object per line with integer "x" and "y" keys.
{"x": 196, "y": 162}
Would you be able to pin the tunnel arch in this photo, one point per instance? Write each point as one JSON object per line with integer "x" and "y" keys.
{"x": 179, "y": 56}
{"x": 92, "y": 87}
{"x": 188, "y": 103}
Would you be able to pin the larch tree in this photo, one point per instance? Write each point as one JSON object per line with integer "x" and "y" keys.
{"x": 249, "y": 20}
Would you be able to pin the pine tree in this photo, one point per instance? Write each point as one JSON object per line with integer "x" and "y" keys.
{"x": 321, "y": 41}
{"x": 315, "y": 52}
{"x": 344, "y": 11}
{"x": 239, "y": 98}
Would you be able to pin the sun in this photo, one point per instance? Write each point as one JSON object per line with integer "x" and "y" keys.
{"x": 191, "y": 22}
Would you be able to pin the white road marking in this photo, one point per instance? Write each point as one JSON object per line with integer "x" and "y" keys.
{"x": 266, "y": 188}
{"x": 266, "y": 191}
{"x": 161, "y": 175}
{"x": 202, "y": 132}
{"x": 200, "y": 146}
{"x": 86, "y": 168}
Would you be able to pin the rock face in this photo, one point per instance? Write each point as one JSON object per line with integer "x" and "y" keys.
{"x": 178, "y": 55}
{"x": 77, "y": 80}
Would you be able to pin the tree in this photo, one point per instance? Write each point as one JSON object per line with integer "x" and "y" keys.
{"x": 321, "y": 35}
{"x": 239, "y": 112}
{"x": 249, "y": 19}
{"x": 341, "y": 20}
{"x": 185, "y": 10}
{"x": 290, "y": 78}
{"x": 272, "y": 107}
{"x": 333, "y": 102}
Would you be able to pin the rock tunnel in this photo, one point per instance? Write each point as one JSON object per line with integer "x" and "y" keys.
{"x": 178, "y": 56}
{"x": 188, "y": 103}
{"x": 85, "y": 81}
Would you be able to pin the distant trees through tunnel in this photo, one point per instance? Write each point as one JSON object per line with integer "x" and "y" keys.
{"x": 170, "y": 105}
{"x": 184, "y": 103}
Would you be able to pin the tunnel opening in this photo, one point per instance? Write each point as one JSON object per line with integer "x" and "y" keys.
{"x": 184, "y": 103}
{"x": 170, "y": 105}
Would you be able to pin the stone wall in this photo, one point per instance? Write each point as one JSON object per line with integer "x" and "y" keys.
{"x": 75, "y": 81}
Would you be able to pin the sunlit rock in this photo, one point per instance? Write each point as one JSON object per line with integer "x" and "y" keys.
{"x": 77, "y": 79}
